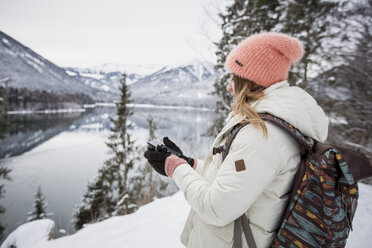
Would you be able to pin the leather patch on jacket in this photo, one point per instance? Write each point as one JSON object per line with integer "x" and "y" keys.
{"x": 239, "y": 165}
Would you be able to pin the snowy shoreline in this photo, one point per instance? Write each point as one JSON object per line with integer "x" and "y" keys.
{"x": 46, "y": 111}
{"x": 87, "y": 106}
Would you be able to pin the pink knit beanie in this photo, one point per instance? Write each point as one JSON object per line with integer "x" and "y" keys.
{"x": 265, "y": 58}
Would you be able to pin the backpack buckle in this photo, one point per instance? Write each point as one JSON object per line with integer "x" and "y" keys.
{"x": 217, "y": 149}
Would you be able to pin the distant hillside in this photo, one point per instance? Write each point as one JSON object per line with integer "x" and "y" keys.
{"x": 185, "y": 84}
{"x": 107, "y": 77}
{"x": 20, "y": 67}
{"x": 188, "y": 84}
{"x": 25, "y": 72}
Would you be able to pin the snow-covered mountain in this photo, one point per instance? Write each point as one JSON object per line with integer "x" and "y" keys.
{"x": 141, "y": 70}
{"x": 20, "y": 67}
{"x": 182, "y": 84}
{"x": 100, "y": 81}
{"x": 107, "y": 77}
{"x": 187, "y": 84}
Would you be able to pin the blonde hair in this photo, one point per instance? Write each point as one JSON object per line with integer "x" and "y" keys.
{"x": 246, "y": 93}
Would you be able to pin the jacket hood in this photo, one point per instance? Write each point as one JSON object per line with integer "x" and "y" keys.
{"x": 295, "y": 106}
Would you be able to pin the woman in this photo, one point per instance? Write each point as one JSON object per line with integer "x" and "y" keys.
{"x": 256, "y": 176}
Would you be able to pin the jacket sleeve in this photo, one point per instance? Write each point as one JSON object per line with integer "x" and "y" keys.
{"x": 199, "y": 166}
{"x": 232, "y": 192}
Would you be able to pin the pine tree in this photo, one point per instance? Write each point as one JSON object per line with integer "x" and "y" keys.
{"x": 123, "y": 150}
{"x": 120, "y": 142}
{"x": 144, "y": 180}
{"x": 40, "y": 206}
{"x": 108, "y": 194}
{"x": 126, "y": 205}
{"x": 98, "y": 202}
{"x": 355, "y": 75}
{"x": 315, "y": 23}
{"x": 241, "y": 19}
{"x": 358, "y": 62}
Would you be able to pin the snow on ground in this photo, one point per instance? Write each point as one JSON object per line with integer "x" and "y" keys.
{"x": 361, "y": 236}
{"x": 40, "y": 229}
{"x": 159, "y": 224}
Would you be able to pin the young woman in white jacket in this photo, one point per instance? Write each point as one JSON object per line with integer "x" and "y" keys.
{"x": 256, "y": 176}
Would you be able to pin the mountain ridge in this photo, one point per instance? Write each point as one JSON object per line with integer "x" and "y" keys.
{"x": 24, "y": 68}
{"x": 188, "y": 83}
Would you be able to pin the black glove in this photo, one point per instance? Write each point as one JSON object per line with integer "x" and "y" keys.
{"x": 167, "y": 142}
{"x": 157, "y": 155}
{"x": 156, "y": 158}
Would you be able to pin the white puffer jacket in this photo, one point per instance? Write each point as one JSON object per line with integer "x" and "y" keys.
{"x": 218, "y": 193}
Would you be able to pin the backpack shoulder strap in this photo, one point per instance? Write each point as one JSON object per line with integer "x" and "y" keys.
{"x": 354, "y": 164}
{"x": 224, "y": 150}
{"x": 306, "y": 142}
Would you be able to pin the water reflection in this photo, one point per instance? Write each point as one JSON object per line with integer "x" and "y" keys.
{"x": 30, "y": 130}
{"x": 64, "y": 151}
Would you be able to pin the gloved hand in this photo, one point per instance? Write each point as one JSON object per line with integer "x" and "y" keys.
{"x": 172, "y": 162}
{"x": 156, "y": 158}
{"x": 167, "y": 142}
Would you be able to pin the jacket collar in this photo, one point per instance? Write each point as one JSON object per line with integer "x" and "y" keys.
{"x": 281, "y": 84}
{"x": 232, "y": 119}
{"x": 268, "y": 90}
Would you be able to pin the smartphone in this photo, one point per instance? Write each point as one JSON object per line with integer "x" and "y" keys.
{"x": 151, "y": 145}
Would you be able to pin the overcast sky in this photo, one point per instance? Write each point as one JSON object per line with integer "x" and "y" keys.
{"x": 87, "y": 33}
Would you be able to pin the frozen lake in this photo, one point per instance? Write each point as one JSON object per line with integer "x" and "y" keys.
{"x": 62, "y": 152}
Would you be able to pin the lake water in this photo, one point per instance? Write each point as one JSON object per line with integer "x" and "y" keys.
{"x": 62, "y": 152}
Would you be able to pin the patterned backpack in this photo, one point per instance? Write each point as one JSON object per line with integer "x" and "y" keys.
{"x": 324, "y": 196}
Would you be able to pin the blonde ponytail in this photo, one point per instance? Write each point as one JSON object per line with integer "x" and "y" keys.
{"x": 246, "y": 93}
